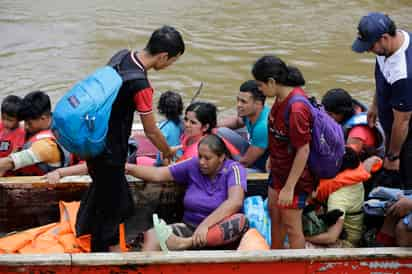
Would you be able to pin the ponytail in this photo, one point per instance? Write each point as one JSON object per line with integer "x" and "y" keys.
{"x": 270, "y": 66}
{"x": 294, "y": 77}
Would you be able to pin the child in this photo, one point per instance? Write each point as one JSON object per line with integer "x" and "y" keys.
{"x": 291, "y": 181}
{"x": 11, "y": 134}
{"x": 170, "y": 105}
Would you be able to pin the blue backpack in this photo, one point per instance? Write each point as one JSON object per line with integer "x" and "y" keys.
{"x": 81, "y": 117}
{"x": 328, "y": 143}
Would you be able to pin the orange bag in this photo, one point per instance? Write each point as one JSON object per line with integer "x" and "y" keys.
{"x": 252, "y": 240}
{"x": 52, "y": 238}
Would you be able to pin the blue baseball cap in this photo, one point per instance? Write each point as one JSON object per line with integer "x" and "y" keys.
{"x": 370, "y": 29}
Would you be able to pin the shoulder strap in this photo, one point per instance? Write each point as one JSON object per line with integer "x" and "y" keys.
{"x": 117, "y": 58}
{"x": 127, "y": 75}
{"x": 295, "y": 98}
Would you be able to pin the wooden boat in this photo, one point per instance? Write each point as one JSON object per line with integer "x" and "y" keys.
{"x": 28, "y": 201}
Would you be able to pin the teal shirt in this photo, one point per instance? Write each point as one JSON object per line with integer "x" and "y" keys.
{"x": 258, "y": 135}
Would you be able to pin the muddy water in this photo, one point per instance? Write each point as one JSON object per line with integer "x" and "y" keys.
{"x": 49, "y": 45}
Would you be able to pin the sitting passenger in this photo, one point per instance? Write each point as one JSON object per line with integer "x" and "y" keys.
{"x": 170, "y": 105}
{"x": 11, "y": 134}
{"x": 353, "y": 117}
{"x": 395, "y": 206}
{"x": 216, "y": 187}
{"x": 397, "y": 226}
{"x": 252, "y": 113}
{"x": 40, "y": 153}
{"x": 346, "y": 194}
{"x": 199, "y": 120}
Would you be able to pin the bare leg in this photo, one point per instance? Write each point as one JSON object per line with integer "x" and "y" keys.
{"x": 389, "y": 224}
{"x": 292, "y": 221}
{"x": 277, "y": 229}
{"x": 115, "y": 248}
{"x": 403, "y": 236}
{"x": 173, "y": 242}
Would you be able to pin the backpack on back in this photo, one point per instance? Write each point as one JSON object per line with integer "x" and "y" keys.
{"x": 328, "y": 143}
{"x": 81, "y": 117}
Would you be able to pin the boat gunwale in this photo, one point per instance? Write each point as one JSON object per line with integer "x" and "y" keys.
{"x": 206, "y": 256}
{"x": 85, "y": 179}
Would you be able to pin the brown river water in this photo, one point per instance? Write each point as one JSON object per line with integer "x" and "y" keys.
{"x": 49, "y": 44}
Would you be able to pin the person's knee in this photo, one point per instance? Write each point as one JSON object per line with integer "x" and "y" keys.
{"x": 150, "y": 240}
{"x": 227, "y": 231}
{"x": 293, "y": 226}
{"x": 403, "y": 235}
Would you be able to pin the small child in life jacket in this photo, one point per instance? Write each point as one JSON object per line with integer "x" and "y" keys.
{"x": 170, "y": 105}
{"x": 11, "y": 134}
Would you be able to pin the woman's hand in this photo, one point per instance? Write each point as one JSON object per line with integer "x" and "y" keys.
{"x": 174, "y": 149}
{"x": 401, "y": 208}
{"x": 285, "y": 196}
{"x": 53, "y": 177}
{"x": 169, "y": 161}
{"x": 200, "y": 236}
{"x": 128, "y": 168}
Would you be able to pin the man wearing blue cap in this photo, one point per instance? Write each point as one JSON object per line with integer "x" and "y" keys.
{"x": 392, "y": 102}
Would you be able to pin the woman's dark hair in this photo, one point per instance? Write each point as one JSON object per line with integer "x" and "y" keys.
{"x": 215, "y": 144}
{"x": 205, "y": 112}
{"x": 252, "y": 87}
{"x": 270, "y": 66}
{"x": 350, "y": 159}
{"x": 166, "y": 39}
{"x": 171, "y": 105}
{"x": 339, "y": 101}
{"x": 11, "y": 105}
{"x": 34, "y": 105}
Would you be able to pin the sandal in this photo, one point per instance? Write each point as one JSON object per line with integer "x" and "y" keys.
{"x": 163, "y": 232}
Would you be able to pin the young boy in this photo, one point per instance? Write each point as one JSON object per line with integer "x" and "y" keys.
{"x": 11, "y": 134}
{"x": 41, "y": 153}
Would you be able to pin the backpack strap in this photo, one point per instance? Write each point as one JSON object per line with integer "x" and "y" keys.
{"x": 295, "y": 98}
{"x": 129, "y": 74}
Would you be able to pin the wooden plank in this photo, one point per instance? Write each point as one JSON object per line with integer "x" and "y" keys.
{"x": 222, "y": 256}
{"x": 35, "y": 259}
{"x": 30, "y": 180}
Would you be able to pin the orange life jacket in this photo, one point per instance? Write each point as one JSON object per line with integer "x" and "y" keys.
{"x": 10, "y": 140}
{"x": 40, "y": 169}
{"x": 345, "y": 178}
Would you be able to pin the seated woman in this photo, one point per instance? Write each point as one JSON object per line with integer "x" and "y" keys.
{"x": 352, "y": 115}
{"x": 345, "y": 192}
{"x": 215, "y": 192}
{"x": 199, "y": 120}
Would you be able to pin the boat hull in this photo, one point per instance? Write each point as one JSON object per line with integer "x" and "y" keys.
{"x": 362, "y": 260}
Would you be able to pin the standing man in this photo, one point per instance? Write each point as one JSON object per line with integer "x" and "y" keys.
{"x": 108, "y": 201}
{"x": 253, "y": 114}
{"x": 392, "y": 102}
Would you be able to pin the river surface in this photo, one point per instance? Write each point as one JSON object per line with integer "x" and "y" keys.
{"x": 51, "y": 44}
